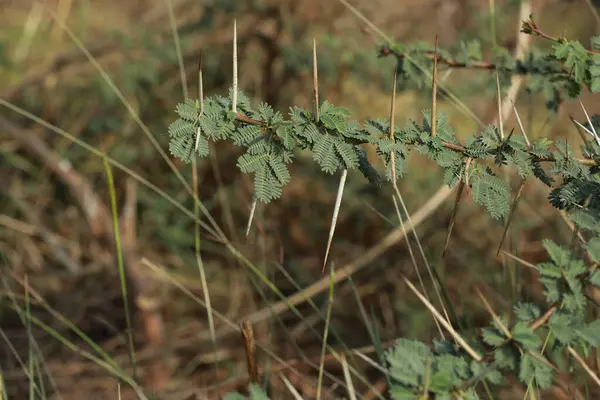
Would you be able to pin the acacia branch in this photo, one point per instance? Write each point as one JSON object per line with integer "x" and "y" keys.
{"x": 459, "y": 148}
{"x": 486, "y": 65}
{"x": 529, "y": 27}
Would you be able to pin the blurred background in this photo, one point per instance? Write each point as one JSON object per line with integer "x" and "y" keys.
{"x": 112, "y": 79}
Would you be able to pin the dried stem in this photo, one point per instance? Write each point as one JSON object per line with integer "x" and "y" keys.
{"x": 249, "y": 347}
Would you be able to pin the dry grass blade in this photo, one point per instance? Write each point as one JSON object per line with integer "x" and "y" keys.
{"x": 511, "y": 214}
{"x": 347, "y": 378}
{"x": 593, "y": 132}
{"x": 461, "y": 187}
{"x": 291, "y": 387}
{"x": 490, "y": 310}
{"x": 583, "y": 364}
{"x": 370, "y": 24}
{"x": 443, "y": 321}
{"x": 519, "y": 260}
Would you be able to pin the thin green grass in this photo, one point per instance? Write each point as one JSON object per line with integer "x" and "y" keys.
{"x": 31, "y": 359}
{"x": 105, "y": 362}
{"x": 371, "y": 328}
{"x": 18, "y": 358}
{"x": 326, "y": 332}
{"x": 35, "y": 354}
{"x": 115, "y": 371}
{"x": 120, "y": 264}
{"x": 3, "y": 385}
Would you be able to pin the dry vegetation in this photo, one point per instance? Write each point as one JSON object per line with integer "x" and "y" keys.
{"x": 56, "y": 232}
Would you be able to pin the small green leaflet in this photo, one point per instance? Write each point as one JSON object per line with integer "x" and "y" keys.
{"x": 532, "y": 368}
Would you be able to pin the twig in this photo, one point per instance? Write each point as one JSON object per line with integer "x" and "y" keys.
{"x": 459, "y": 148}
{"x": 387, "y": 51}
{"x": 443, "y": 321}
{"x": 530, "y": 27}
{"x": 249, "y": 347}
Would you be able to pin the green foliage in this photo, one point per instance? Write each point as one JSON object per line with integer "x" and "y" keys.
{"x": 533, "y": 345}
{"x": 336, "y": 143}
{"x": 413, "y": 367}
{"x": 256, "y": 393}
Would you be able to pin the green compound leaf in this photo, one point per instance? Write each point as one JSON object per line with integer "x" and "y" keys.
{"x": 593, "y": 248}
{"x": 523, "y": 334}
{"x": 527, "y": 312}
{"x": 493, "y": 336}
{"x": 591, "y": 333}
{"x": 490, "y": 191}
{"x": 561, "y": 325}
{"x": 531, "y": 368}
{"x": 559, "y": 255}
{"x": 408, "y": 361}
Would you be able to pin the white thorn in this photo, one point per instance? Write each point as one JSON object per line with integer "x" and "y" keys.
{"x": 584, "y": 128}
{"x": 336, "y": 211}
{"x": 594, "y": 134}
{"x": 520, "y": 124}
{"x": 197, "y": 139}
{"x": 499, "y": 105}
{"x": 251, "y": 217}
{"x": 235, "y": 68}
